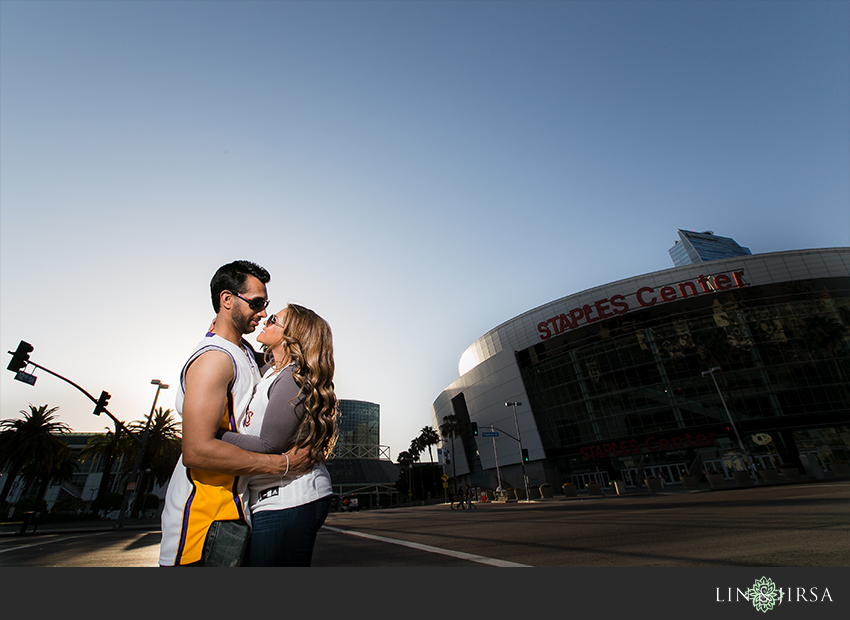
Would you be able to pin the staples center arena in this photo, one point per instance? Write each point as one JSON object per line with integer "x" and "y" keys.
{"x": 729, "y": 361}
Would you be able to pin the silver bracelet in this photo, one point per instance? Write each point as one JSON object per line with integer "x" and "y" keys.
{"x": 287, "y": 464}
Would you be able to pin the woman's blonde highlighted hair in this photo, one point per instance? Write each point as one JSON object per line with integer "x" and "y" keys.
{"x": 308, "y": 341}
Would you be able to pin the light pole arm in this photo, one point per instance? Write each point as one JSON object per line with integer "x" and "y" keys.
{"x": 508, "y": 434}
{"x": 92, "y": 398}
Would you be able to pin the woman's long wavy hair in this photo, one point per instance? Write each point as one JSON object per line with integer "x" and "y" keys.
{"x": 308, "y": 341}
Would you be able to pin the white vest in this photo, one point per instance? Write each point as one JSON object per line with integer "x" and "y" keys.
{"x": 266, "y": 492}
{"x": 195, "y": 498}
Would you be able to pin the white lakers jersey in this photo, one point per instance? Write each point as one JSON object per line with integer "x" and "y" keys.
{"x": 195, "y": 498}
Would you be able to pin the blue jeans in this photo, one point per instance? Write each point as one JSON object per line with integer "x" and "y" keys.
{"x": 286, "y": 537}
{"x": 226, "y": 544}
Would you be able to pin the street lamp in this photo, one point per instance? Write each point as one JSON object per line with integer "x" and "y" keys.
{"x": 132, "y": 481}
{"x": 519, "y": 440}
{"x": 496, "y": 455}
{"x": 746, "y": 454}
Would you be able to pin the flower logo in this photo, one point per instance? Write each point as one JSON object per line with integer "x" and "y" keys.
{"x": 764, "y": 594}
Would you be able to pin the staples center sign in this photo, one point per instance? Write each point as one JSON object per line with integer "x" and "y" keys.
{"x": 644, "y": 297}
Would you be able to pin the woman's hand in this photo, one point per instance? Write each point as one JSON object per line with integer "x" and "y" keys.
{"x": 300, "y": 461}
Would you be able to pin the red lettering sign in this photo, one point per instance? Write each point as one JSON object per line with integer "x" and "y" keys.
{"x": 645, "y": 296}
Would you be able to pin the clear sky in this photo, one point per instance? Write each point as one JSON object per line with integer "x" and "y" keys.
{"x": 416, "y": 172}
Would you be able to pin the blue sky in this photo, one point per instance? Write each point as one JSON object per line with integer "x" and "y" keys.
{"x": 416, "y": 172}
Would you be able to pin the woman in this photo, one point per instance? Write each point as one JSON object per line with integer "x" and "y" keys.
{"x": 293, "y": 406}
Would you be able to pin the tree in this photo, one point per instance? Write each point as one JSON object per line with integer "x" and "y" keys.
{"x": 52, "y": 463}
{"x": 406, "y": 459}
{"x": 161, "y": 451}
{"x": 31, "y": 448}
{"x": 451, "y": 427}
{"x": 106, "y": 446}
{"x": 429, "y": 437}
{"x": 415, "y": 450}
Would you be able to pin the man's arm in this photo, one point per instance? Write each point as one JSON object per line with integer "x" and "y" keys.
{"x": 207, "y": 381}
{"x": 280, "y": 423}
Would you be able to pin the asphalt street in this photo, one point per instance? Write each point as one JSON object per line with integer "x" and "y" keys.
{"x": 786, "y": 525}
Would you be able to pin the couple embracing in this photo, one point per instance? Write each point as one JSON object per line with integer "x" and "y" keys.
{"x": 250, "y": 487}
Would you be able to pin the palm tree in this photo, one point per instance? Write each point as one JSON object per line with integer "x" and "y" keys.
{"x": 106, "y": 446}
{"x": 161, "y": 451}
{"x": 415, "y": 450}
{"x": 406, "y": 459}
{"x": 54, "y": 464}
{"x": 30, "y": 447}
{"x": 451, "y": 427}
{"x": 429, "y": 437}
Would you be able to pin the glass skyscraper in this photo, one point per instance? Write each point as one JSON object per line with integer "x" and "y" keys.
{"x": 359, "y": 430}
{"x": 360, "y": 467}
{"x": 693, "y": 248}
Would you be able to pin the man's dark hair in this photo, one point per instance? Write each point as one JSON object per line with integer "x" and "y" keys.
{"x": 231, "y": 277}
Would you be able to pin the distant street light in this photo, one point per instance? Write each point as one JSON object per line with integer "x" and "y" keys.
{"x": 746, "y": 454}
{"x": 131, "y": 483}
{"x": 519, "y": 440}
{"x": 496, "y": 455}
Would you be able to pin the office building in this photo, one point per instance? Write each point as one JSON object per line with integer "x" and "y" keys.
{"x": 361, "y": 467}
{"x": 693, "y": 248}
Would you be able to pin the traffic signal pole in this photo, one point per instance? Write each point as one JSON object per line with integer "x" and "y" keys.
{"x": 92, "y": 398}
{"x": 522, "y": 453}
{"x": 135, "y": 472}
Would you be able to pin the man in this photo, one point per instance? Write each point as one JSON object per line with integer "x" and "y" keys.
{"x": 204, "y": 522}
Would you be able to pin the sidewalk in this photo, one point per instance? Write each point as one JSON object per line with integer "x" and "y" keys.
{"x": 669, "y": 489}
{"x": 14, "y": 528}
{"x": 153, "y": 524}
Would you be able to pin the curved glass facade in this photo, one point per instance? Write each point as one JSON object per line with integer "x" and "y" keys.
{"x": 607, "y": 395}
{"x": 692, "y": 368}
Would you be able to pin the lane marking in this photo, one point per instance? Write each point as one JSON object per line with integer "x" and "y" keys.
{"x": 455, "y": 554}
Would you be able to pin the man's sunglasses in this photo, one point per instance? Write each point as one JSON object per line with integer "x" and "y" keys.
{"x": 256, "y": 304}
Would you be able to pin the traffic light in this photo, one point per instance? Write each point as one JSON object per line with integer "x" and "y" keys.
{"x": 525, "y": 455}
{"x": 475, "y": 429}
{"x": 101, "y": 403}
{"x": 21, "y": 357}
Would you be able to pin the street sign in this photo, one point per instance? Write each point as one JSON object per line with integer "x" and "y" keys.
{"x": 444, "y": 477}
{"x": 25, "y": 377}
{"x": 489, "y": 434}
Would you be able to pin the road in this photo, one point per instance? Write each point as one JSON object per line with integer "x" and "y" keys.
{"x": 780, "y": 526}
{"x": 799, "y": 525}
